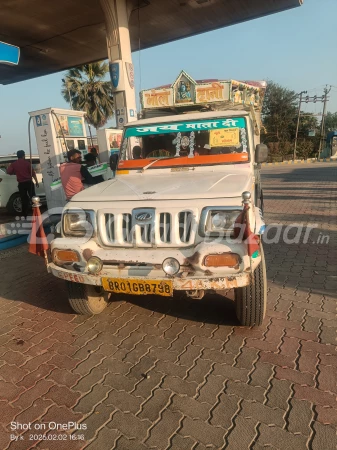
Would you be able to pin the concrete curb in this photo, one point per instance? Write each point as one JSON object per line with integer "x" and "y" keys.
{"x": 300, "y": 161}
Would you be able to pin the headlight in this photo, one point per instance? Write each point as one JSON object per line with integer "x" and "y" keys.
{"x": 221, "y": 220}
{"x": 216, "y": 220}
{"x": 78, "y": 223}
{"x": 171, "y": 266}
{"x": 94, "y": 265}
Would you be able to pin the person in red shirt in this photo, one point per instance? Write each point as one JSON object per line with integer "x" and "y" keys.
{"x": 73, "y": 174}
{"x": 24, "y": 174}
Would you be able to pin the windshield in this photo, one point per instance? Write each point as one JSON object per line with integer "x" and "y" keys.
{"x": 217, "y": 141}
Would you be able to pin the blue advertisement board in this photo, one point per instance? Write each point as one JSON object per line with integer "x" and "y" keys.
{"x": 75, "y": 126}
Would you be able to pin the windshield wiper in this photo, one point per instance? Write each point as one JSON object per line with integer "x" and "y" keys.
{"x": 156, "y": 160}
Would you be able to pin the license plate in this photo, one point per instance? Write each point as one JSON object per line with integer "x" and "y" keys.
{"x": 138, "y": 287}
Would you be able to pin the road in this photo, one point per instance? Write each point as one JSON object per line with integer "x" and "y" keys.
{"x": 178, "y": 374}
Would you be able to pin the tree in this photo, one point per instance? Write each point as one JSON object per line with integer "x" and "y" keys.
{"x": 89, "y": 92}
{"x": 308, "y": 122}
{"x": 305, "y": 148}
{"x": 331, "y": 122}
{"x": 279, "y": 113}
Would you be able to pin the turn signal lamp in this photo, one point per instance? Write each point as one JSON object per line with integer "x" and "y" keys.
{"x": 222, "y": 260}
{"x": 65, "y": 256}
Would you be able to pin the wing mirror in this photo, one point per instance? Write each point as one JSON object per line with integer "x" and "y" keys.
{"x": 261, "y": 153}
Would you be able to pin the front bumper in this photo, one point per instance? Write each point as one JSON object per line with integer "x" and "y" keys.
{"x": 180, "y": 283}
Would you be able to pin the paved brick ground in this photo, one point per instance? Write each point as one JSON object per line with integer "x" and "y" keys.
{"x": 174, "y": 374}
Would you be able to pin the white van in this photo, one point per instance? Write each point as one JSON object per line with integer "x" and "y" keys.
{"x": 9, "y": 192}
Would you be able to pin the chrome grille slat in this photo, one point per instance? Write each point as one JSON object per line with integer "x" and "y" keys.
{"x": 127, "y": 228}
{"x": 110, "y": 226}
{"x": 185, "y": 225}
{"x": 165, "y": 227}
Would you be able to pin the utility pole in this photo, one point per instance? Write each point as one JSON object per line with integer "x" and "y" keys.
{"x": 326, "y": 92}
{"x": 298, "y": 121}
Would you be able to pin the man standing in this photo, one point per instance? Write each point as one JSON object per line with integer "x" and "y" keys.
{"x": 73, "y": 174}
{"x": 24, "y": 174}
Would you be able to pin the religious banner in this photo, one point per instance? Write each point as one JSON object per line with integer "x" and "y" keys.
{"x": 178, "y": 127}
{"x": 157, "y": 98}
{"x": 224, "y": 138}
{"x": 186, "y": 92}
{"x": 212, "y": 92}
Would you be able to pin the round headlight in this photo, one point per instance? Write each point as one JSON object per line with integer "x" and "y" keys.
{"x": 94, "y": 265}
{"x": 220, "y": 220}
{"x": 171, "y": 266}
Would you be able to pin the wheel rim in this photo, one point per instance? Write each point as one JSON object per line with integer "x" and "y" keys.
{"x": 17, "y": 205}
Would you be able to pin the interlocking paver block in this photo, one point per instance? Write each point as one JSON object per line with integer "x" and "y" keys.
{"x": 315, "y": 396}
{"x": 128, "y": 444}
{"x": 203, "y": 432}
{"x": 61, "y": 395}
{"x": 123, "y": 401}
{"x": 300, "y": 417}
{"x": 162, "y": 432}
{"x": 89, "y": 401}
{"x": 263, "y": 413}
{"x": 30, "y": 395}
{"x": 101, "y": 415}
{"x": 223, "y": 414}
{"x": 261, "y": 375}
{"x": 295, "y": 376}
{"x": 130, "y": 425}
{"x": 182, "y": 443}
{"x": 211, "y": 390}
{"x": 242, "y": 435}
{"x": 279, "y": 394}
{"x": 281, "y": 439}
{"x": 325, "y": 437}
{"x": 245, "y": 391}
{"x": 152, "y": 408}
{"x": 190, "y": 407}
{"x": 230, "y": 372}
{"x": 144, "y": 388}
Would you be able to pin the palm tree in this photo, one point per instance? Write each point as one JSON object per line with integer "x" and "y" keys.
{"x": 85, "y": 88}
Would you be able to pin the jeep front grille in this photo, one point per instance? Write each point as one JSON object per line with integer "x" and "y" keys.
{"x": 165, "y": 229}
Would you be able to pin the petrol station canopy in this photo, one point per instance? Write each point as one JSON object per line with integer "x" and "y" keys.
{"x": 58, "y": 35}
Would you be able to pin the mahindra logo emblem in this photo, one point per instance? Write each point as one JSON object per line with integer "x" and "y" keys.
{"x": 143, "y": 217}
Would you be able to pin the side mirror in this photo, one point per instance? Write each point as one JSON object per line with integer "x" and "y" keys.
{"x": 261, "y": 153}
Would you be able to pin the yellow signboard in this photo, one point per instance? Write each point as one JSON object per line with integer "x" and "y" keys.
{"x": 225, "y": 137}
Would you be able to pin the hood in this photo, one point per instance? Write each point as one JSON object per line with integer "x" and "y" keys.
{"x": 167, "y": 186}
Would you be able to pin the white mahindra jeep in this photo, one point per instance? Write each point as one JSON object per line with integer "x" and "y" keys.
{"x": 166, "y": 222}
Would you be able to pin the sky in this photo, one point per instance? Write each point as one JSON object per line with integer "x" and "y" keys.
{"x": 295, "y": 48}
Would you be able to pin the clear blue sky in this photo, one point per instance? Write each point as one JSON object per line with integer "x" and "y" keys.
{"x": 296, "y": 49}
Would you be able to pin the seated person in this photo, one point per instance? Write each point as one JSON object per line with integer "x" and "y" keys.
{"x": 136, "y": 152}
{"x": 90, "y": 160}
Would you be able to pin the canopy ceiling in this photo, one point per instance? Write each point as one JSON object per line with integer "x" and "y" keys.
{"x": 57, "y": 35}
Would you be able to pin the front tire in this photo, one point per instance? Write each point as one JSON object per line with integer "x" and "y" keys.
{"x": 251, "y": 300}
{"x": 86, "y": 299}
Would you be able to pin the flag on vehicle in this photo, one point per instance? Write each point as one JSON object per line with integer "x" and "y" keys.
{"x": 242, "y": 228}
{"x": 38, "y": 243}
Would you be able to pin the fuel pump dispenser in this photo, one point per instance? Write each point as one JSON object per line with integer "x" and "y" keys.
{"x": 56, "y": 132}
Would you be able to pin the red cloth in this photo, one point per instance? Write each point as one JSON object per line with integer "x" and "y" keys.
{"x": 22, "y": 169}
{"x": 248, "y": 237}
{"x": 71, "y": 179}
{"x": 38, "y": 243}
